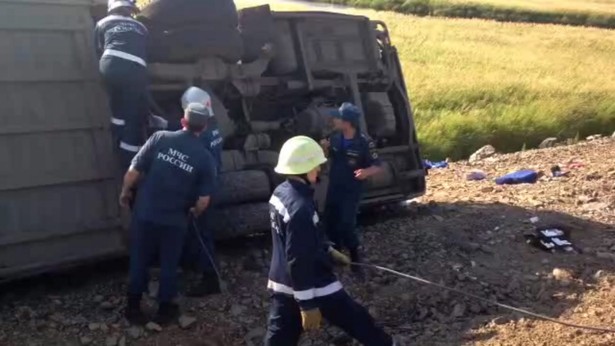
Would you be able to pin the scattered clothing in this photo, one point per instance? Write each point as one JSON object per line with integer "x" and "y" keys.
{"x": 575, "y": 165}
{"x": 476, "y": 175}
{"x": 551, "y": 239}
{"x": 526, "y": 176}
{"x": 439, "y": 164}
{"x": 557, "y": 172}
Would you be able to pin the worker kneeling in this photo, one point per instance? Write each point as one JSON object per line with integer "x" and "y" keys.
{"x": 177, "y": 175}
{"x": 301, "y": 279}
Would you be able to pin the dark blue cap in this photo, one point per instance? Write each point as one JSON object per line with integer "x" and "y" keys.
{"x": 347, "y": 112}
{"x": 196, "y": 114}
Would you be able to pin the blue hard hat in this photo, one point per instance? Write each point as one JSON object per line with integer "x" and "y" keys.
{"x": 348, "y": 112}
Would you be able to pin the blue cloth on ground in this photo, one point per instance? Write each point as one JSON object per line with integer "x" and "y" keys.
{"x": 438, "y": 164}
{"x": 527, "y": 176}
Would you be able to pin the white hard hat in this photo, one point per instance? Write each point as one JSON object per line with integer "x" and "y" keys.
{"x": 299, "y": 155}
{"x": 197, "y": 95}
{"x": 115, "y": 4}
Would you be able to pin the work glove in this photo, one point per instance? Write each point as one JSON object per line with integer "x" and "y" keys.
{"x": 339, "y": 257}
{"x": 310, "y": 319}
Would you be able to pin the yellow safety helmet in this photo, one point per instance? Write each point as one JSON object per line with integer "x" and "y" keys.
{"x": 299, "y": 155}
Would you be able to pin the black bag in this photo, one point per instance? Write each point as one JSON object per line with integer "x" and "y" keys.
{"x": 552, "y": 239}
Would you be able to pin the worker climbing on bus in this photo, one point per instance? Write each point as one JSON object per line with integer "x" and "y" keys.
{"x": 354, "y": 159}
{"x": 301, "y": 279}
{"x": 176, "y": 177}
{"x": 120, "y": 44}
{"x": 200, "y": 241}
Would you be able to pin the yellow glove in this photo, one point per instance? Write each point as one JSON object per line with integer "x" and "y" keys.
{"x": 339, "y": 257}
{"x": 310, "y": 319}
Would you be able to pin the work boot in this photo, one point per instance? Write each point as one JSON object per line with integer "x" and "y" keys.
{"x": 167, "y": 314}
{"x": 355, "y": 257}
{"x": 209, "y": 284}
{"x": 133, "y": 312}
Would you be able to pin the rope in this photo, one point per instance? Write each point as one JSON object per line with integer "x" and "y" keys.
{"x": 526, "y": 312}
{"x": 206, "y": 250}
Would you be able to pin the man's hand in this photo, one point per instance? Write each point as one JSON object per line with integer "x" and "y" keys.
{"x": 361, "y": 174}
{"x": 311, "y": 319}
{"x": 364, "y": 173}
{"x": 125, "y": 198}
{"x": 325, "y": 144}
{"x": 339, "y": 257}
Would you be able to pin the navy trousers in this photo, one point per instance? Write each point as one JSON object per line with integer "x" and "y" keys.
{"x": 194, "y": 254}
{"x": 284, "y": 325}
{"x": 147, "y": 240}
{"x": 126, "y": 84}
{"x": 341, "y": 218}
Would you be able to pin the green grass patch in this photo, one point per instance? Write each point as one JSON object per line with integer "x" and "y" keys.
{"x": 476, "y": 82}
{"x": 494, "y": 10}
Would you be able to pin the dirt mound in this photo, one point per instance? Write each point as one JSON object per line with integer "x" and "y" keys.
{"x": 464, "y": 234}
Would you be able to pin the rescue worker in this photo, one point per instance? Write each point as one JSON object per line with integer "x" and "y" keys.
{"x": 177, "y": 176}
{"x": 201, "y": 245}
{"x": 353, "y": 159}
{"x": 212, "y": 137}
{"x": 121, "y": 45}
{"x": 301, "y": 279}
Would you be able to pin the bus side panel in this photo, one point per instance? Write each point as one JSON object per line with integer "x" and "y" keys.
{"x": 58, "y": 202}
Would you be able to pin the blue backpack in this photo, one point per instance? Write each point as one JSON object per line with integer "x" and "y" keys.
{"x": 526, "y": 176}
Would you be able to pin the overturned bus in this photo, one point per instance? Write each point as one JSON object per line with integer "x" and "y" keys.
{"x": 58, "y": 182}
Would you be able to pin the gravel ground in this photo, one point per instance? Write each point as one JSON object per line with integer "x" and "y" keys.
{"x": 467, "y": 235}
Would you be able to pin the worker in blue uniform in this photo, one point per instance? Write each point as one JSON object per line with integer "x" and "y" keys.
{"x": 301, "y": 279}
{"x": 200, "y": 245}
{"x": 176, "y": 177}
{"x": 212, "y": 137}
{"x": 120, "y": 43}
{"x": 353, "y": 159}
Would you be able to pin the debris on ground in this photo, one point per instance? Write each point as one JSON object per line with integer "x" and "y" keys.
{"x": 482, "y": 153}
{"x": 437, "y": 164}
{"x": 475, "y": 175}
{"x": 465, "y": 235}
{"x": 548, "y": 143}
{"x": 524, "y": 176}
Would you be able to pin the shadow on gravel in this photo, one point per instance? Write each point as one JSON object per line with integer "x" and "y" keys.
{"x": 480, "y": 249}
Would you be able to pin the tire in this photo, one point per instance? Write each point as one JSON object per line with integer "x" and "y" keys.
{"x": 243, "y": 187}
{"x": 382, "y": 180}
{"x": 240, "y": 220}
{"x": 285, "y": 60}
{"x": 257, "y": 29}
{"x": 233, "y": 160}
{"x": 169, "y": 14}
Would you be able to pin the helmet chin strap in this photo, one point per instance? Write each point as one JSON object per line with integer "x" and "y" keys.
{"x": 304, "y": 179}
